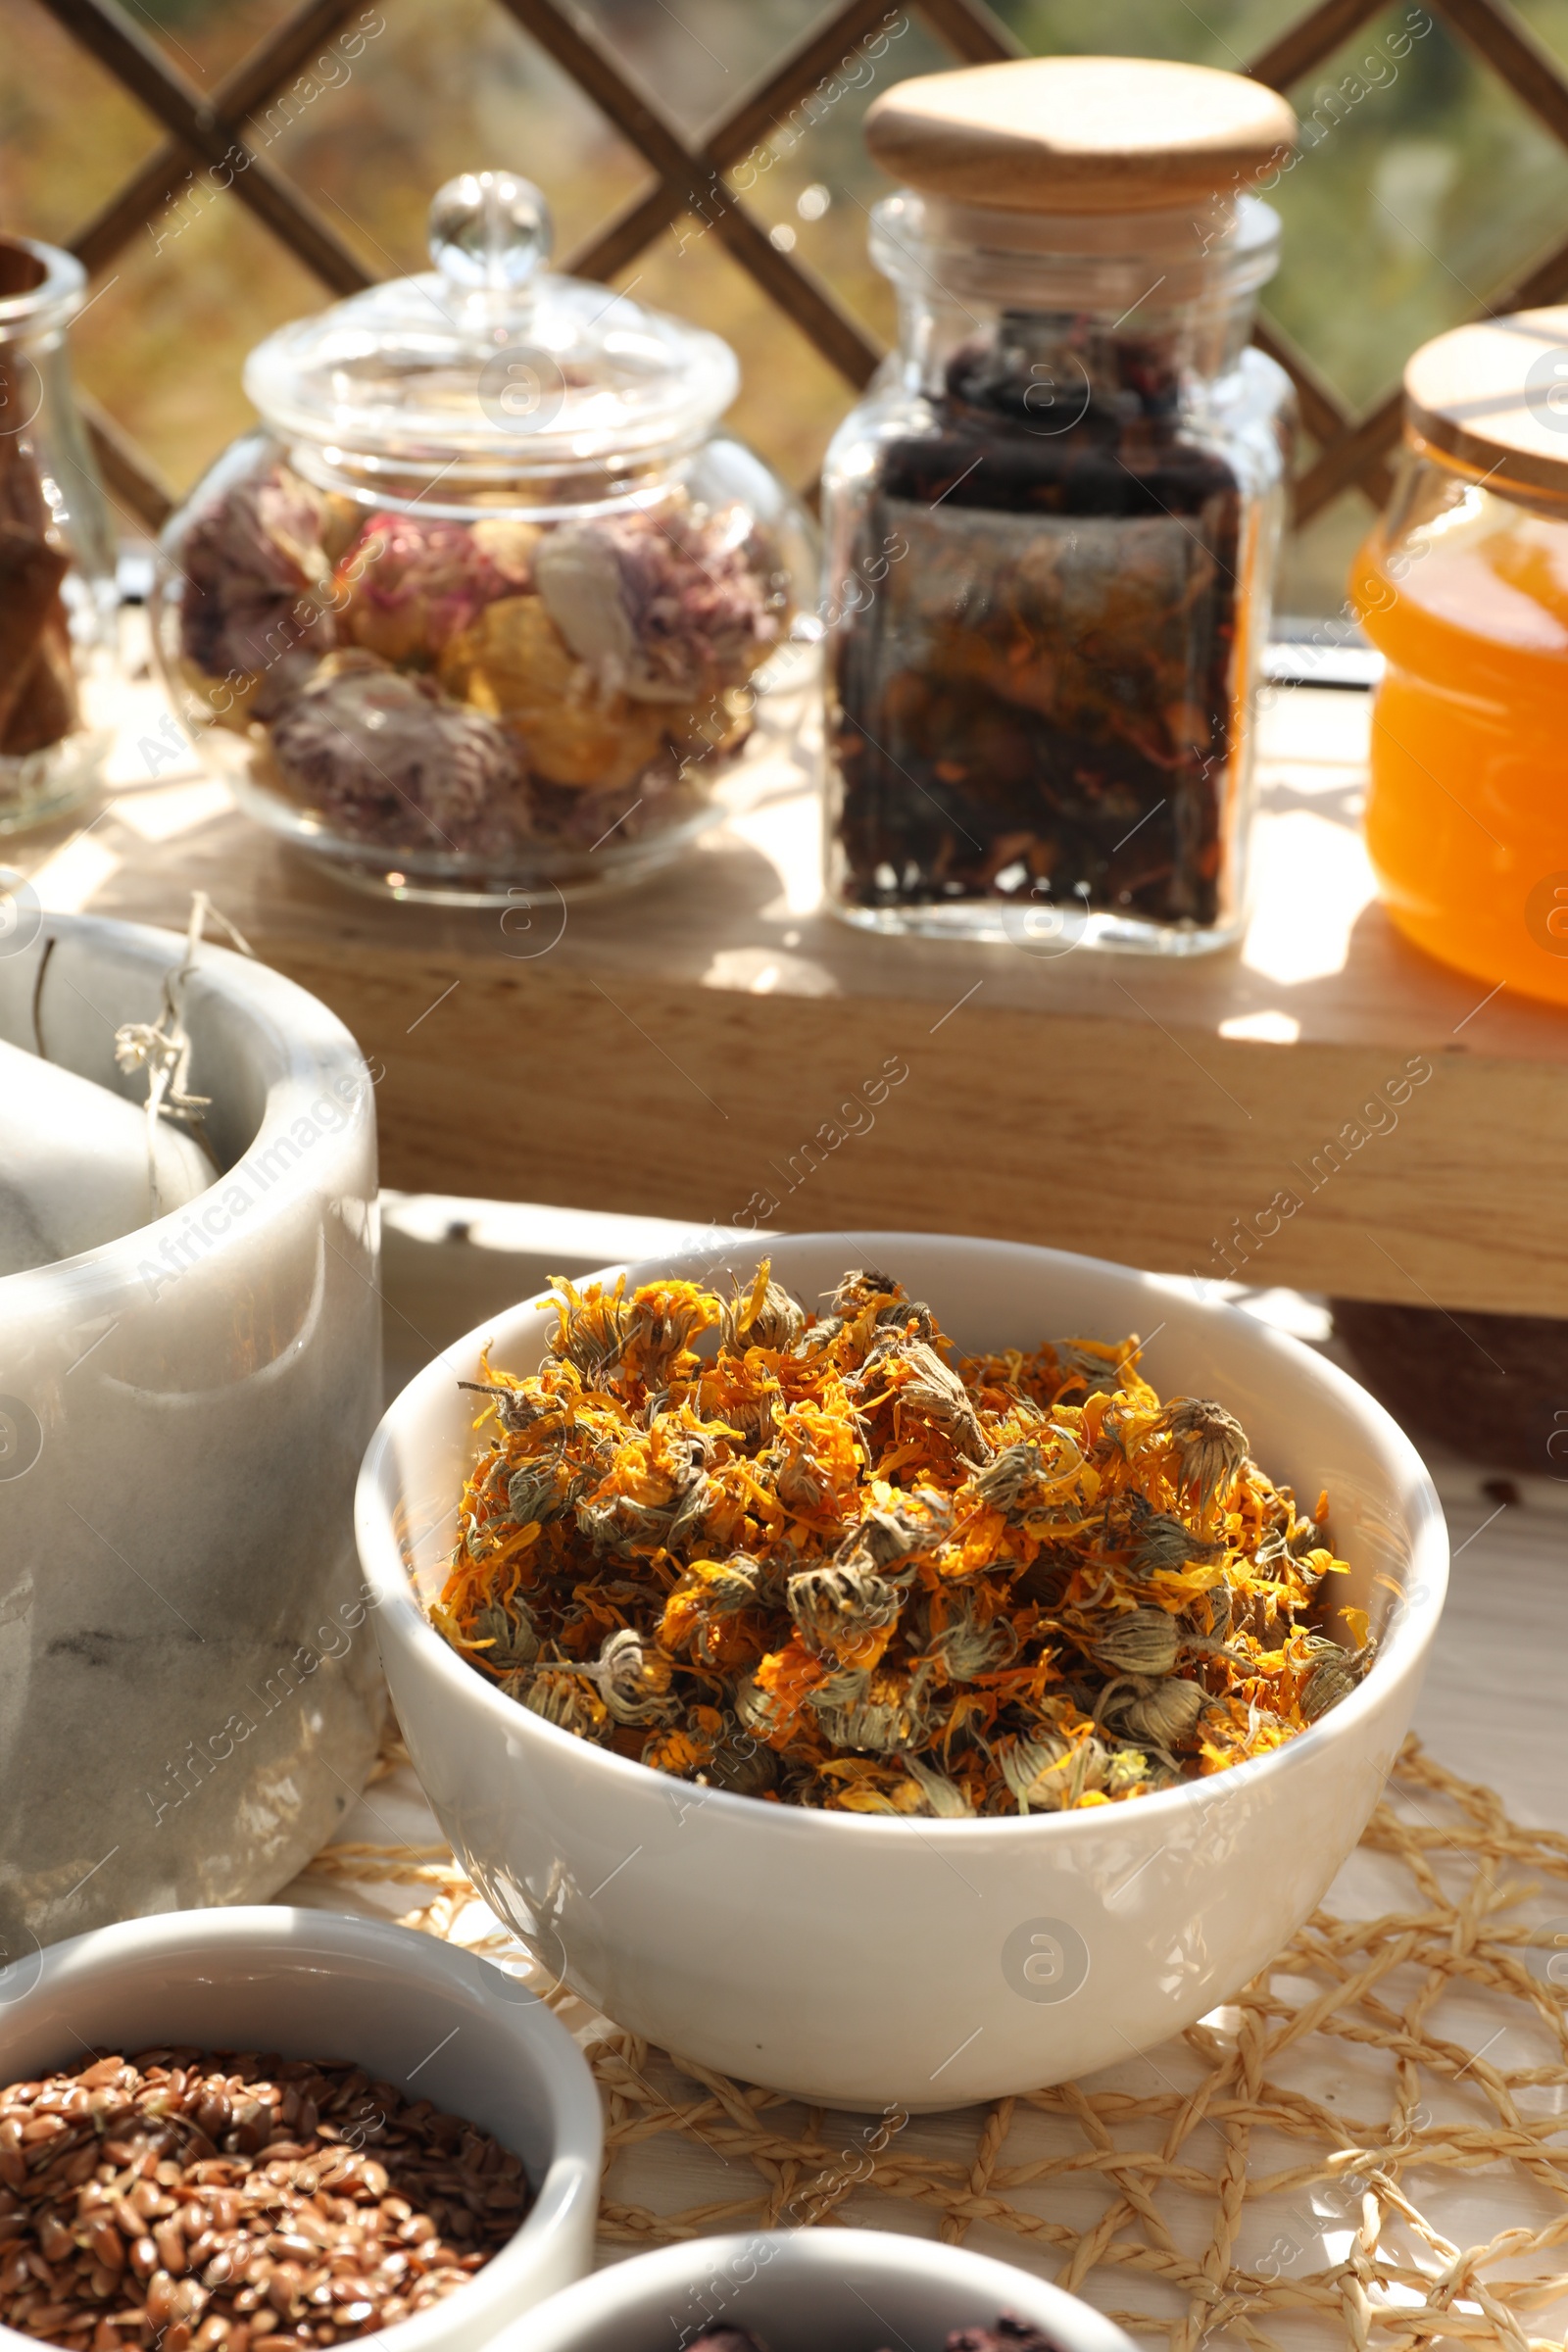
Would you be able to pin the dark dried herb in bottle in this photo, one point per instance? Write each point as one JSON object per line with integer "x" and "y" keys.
{"x": 1039, "y": 706}
{"x": 1053, "y": 517}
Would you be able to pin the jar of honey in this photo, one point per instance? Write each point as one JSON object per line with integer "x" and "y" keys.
{"x": 1463, "y": 588}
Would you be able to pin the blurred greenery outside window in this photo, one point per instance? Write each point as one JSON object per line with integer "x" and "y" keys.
{"x": 1424, "y": 188}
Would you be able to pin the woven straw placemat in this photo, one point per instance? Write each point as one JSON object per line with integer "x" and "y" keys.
{"x": 1368, "y": 2146}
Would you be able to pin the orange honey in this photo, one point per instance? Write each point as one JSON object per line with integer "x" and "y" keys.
{"x": 1463, "y": 588}
{"x": 1467, "y": 815}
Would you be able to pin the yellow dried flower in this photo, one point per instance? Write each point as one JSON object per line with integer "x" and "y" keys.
{"x": 824, "y": 1560}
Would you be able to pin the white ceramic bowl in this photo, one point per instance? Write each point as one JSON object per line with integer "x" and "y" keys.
{"x": 858, "y": 1960}
{"x": 805, "y": 2290}
{"x": 436, "y": 2021}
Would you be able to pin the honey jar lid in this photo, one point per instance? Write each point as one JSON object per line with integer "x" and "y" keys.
{"x": 1080, "y": 135}
{"x": 1495, "y": 396}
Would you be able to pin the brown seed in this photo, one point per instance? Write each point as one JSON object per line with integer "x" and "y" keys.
{"x": 171, "y": 2244}
{"x": 214, "y": 2114}
{"x": 55, "y": 2241}
{"x": 107, "y": 2244}
{"x": 160, "y": 2297}
{"x": 283, "y": 2286}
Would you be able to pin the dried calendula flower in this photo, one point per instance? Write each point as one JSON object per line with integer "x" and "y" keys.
{"x": 767, "y": 1317}
{"x": 1163, "y": 1712}
{"x": 841, "y": 1609}
{"x": 1332, "y": 1674}
{"x": 1212, "y": 1444}
{"x": 1145, "y": 1641}
{"x": 1050, "y": 1774}
{"x": 824, "y": 1560}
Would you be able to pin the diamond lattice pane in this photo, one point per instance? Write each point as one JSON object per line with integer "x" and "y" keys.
{"x": 162, "y": 345}
{"x": 449, "y": 86}
{"x": 69, "y": 134}
{"x": 1221, "y": 32}
{"x": 812, "y": 184}
{"x": 1425, "y": 187}
{"x": 695, "y": 58}
{"x": 1547, "y": 20}
{"x": 790, "y": 398}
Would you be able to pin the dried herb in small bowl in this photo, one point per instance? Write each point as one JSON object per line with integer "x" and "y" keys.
{"x": 828, "y": 1563}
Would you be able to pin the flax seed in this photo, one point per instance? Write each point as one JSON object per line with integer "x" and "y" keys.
{"x": 183, "y": 2203}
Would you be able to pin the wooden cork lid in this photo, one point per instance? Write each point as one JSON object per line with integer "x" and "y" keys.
{"x": 1080, "y": 135}
{"x": 1494, "y": 395}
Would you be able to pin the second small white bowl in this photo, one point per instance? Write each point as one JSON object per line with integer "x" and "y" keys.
{"x": 410, "y": 2010}
{"x": 806, "y": 2291}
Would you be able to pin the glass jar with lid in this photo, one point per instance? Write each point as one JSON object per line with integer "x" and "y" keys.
{"x": 1053, "y": 522}
{"x": 59, "y": 610}
{"x": 1463, "y": 588}
{"x": 490, "y": 607}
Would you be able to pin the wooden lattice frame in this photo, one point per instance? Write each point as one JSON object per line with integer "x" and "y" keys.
{"x": 1353, "y": 451}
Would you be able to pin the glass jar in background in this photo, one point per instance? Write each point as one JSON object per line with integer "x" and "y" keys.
{"x": 59, "y": 608}
{"x": 1053, "y": 522}
{"x": 489, "y": 608}
{"x": 1463, "y": 588}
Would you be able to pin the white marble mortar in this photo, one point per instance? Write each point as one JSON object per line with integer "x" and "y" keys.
{"x": 190, "y": 1692}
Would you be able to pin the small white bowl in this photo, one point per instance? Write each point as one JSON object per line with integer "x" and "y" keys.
{"x": 854, "y": 1960}
{"x": 806, "y": 2291}
{"x": 412, "y": 2010}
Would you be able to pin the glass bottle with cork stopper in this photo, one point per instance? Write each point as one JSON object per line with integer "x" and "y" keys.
{"x": 1053, "y": 522}
{"x": 1463, "y": 588}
